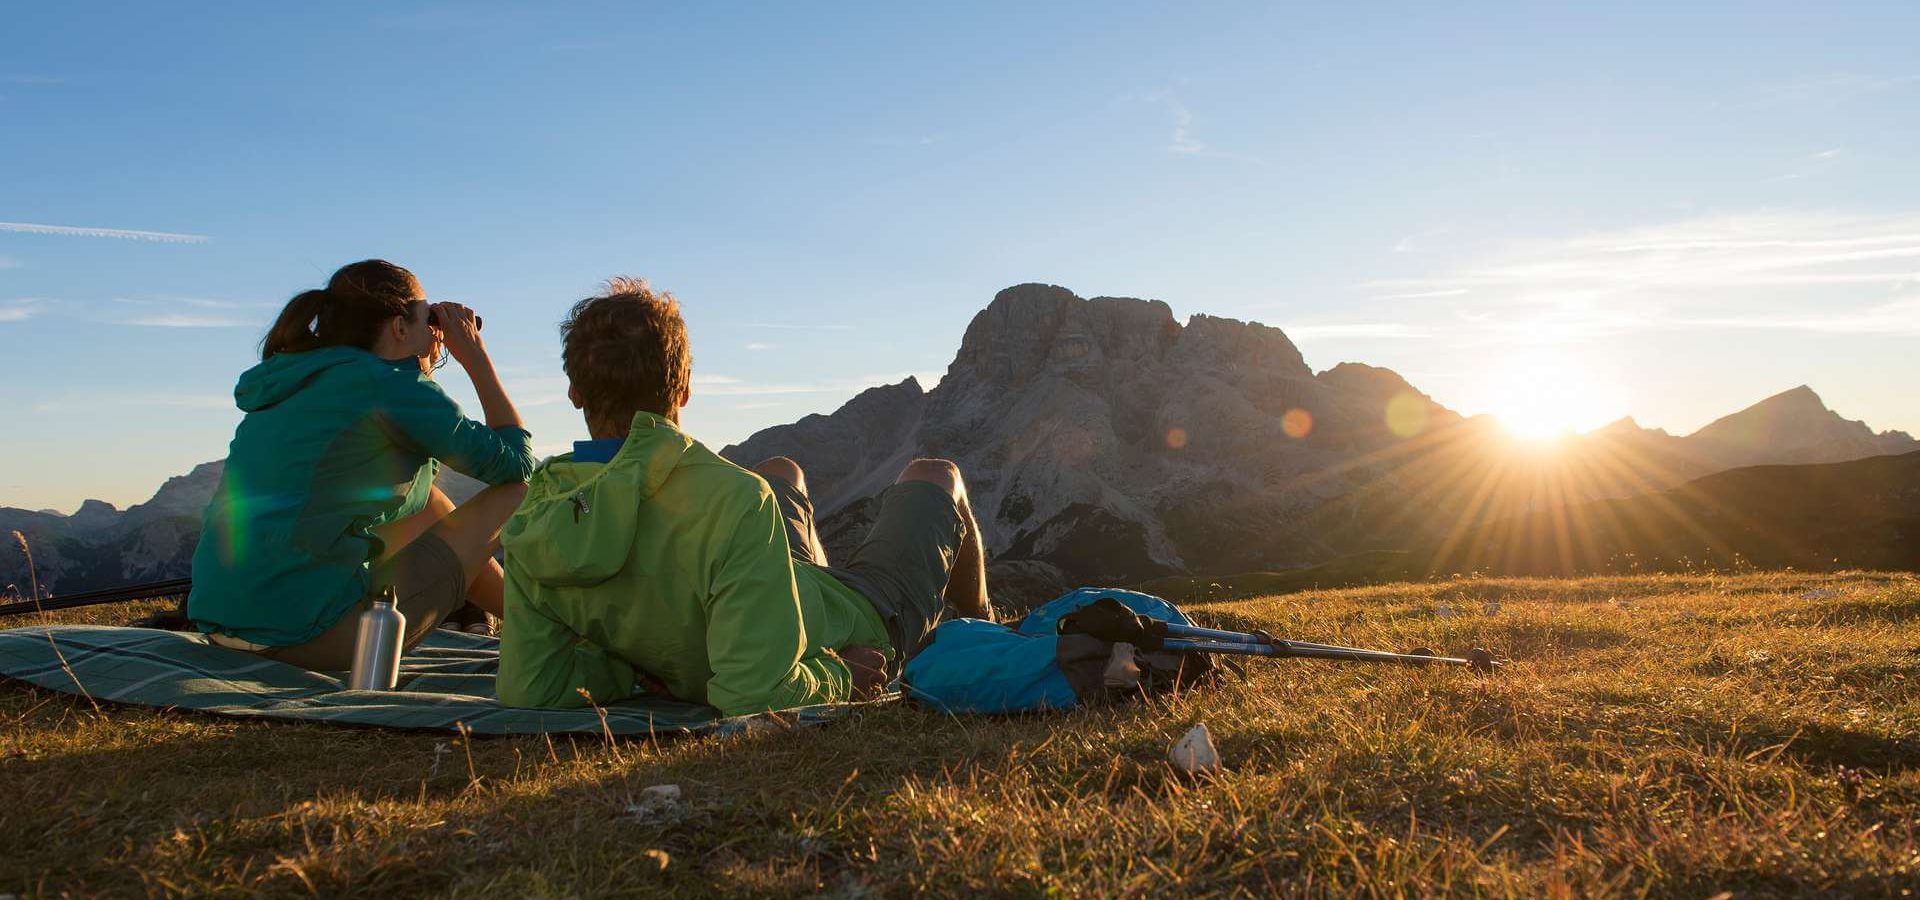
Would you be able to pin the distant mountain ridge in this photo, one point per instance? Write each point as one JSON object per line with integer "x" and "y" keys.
{"x": 100, "y": 547}
{"x": 1107, "y": 442}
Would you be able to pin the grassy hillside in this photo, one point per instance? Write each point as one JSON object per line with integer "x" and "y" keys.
{"x": 1863, "y": 514}
{"x": 1673, "y": 736}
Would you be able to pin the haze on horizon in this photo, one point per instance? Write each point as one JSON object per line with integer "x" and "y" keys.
{"x": 1560, "y": 216}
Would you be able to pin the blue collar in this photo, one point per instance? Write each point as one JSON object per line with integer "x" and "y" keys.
{"x": 597, "y": 451}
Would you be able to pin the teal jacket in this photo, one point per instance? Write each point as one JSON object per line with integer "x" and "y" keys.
{"x": 335, "y": 443}
{"x": 672, "y": 561}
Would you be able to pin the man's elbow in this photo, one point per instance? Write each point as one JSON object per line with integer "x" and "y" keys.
{"x": 740, "y": 705}
{"x": 528, "y": 696}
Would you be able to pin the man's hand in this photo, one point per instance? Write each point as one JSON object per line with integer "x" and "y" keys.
{"x": 644, "y": 683}
{"x": 459, "y": 333}
{"x": 869, "y": 668}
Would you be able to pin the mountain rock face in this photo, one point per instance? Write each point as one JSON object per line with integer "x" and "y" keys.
{"x": 1109, "y": 442}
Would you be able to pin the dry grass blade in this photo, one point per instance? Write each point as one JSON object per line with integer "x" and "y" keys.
{"x": 33, "y": 579}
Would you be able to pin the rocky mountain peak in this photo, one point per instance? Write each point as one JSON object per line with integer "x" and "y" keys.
{"x": 1031, "y": 330}
{"x": 1243, "y": 345}
{"x": 1799, "y": 399}
{"x": 1627, "y": 427}
{"x": 1779, "y": 416}
{"x": 1371, "y": 382}
{"x": 94, "y": 513}
{"x": 1794, "y": 426}
{"x": 182, "y": 495}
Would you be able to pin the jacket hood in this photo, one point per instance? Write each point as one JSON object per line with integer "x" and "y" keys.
{"x": 283, "y": 374}
{"x": 576, "y": 526}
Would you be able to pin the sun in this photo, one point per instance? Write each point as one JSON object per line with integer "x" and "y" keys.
{"x": 1546, "y": 393}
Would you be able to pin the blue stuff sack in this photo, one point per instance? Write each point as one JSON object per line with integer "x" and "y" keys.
{"x": 976, "y": 666}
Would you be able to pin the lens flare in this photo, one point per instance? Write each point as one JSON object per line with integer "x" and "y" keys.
{"x": 1406, "y": 414}
{"x": 1297, "y": 423}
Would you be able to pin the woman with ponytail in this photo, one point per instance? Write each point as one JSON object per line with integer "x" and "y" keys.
{"x": 328, "y": 494}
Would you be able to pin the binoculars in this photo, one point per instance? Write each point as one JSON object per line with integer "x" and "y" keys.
{"x": 433, "y": 320}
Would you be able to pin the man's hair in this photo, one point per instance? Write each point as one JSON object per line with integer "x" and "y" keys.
{"x": 626, "y": 352}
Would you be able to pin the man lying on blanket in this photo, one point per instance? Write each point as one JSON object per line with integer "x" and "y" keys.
{"x": 643, "y": 553}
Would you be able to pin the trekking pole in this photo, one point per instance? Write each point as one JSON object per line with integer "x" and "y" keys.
{"x": 1260, "y": 643}
{"x": 1307, "y": 650}
{"x": 1110, "y": 620}
{"x": 151, "y": 590}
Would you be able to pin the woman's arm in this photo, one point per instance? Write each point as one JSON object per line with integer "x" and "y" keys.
{"x": 463, "y": 341}
{"x": 420, "y": 415}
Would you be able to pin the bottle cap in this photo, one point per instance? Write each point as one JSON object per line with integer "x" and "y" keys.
{"x": 388, "y": 596}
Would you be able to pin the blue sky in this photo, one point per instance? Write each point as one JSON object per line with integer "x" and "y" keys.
{"x": 1668, "y": 210}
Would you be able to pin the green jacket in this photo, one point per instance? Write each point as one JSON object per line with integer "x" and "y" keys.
{"x": 673, "y": 561}
{"x": 335, "y": 443}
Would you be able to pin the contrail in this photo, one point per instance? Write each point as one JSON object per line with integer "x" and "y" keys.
{"x": 164, "y": 237}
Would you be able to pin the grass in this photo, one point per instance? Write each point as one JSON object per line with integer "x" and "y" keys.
{"x": 1655, "y": 735}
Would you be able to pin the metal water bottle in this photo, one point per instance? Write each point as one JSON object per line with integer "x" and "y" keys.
{"x": 376, "y": 651}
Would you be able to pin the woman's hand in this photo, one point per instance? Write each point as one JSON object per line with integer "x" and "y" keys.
{"x": 460, "y": 333}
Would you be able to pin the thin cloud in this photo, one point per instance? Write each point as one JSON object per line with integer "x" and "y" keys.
{"x": 195, "y": 302}
{"x": 84, "y": 401}
{"x": 19, "y": 310}
{"x": 28, "y": 78}
{"x": 778, "y": 326}
{"x": 1422, "y": 295}
{"x": 1900, "y": 319}
{"x": 924, "y": 140}
{"x": 187, "y": 312}
{"x": 8, "y": 262}
{"x": 182, "y": 401}
{"x": 1753, "y": 271}
{"x": 727, "y": 386}
{"x": 1835, "y": 86}
{"x": 1180, "y": 139}
{"x": 1354, "y": 330}
{"x": 1812, "y": 165}
{"x": 734, "y": 387}
{"x": 1723, "y": 251}
{"x": 125, "y": 234}
{"x": 185, "y": 320}
{"x": 760, "y": 345}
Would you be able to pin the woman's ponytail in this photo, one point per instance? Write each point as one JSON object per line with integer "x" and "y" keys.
{"x": 356, "y": 303}
{"x": 294, "y": 331}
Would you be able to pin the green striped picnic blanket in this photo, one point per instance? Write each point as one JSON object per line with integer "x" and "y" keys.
{"x": 445, "y": 682}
